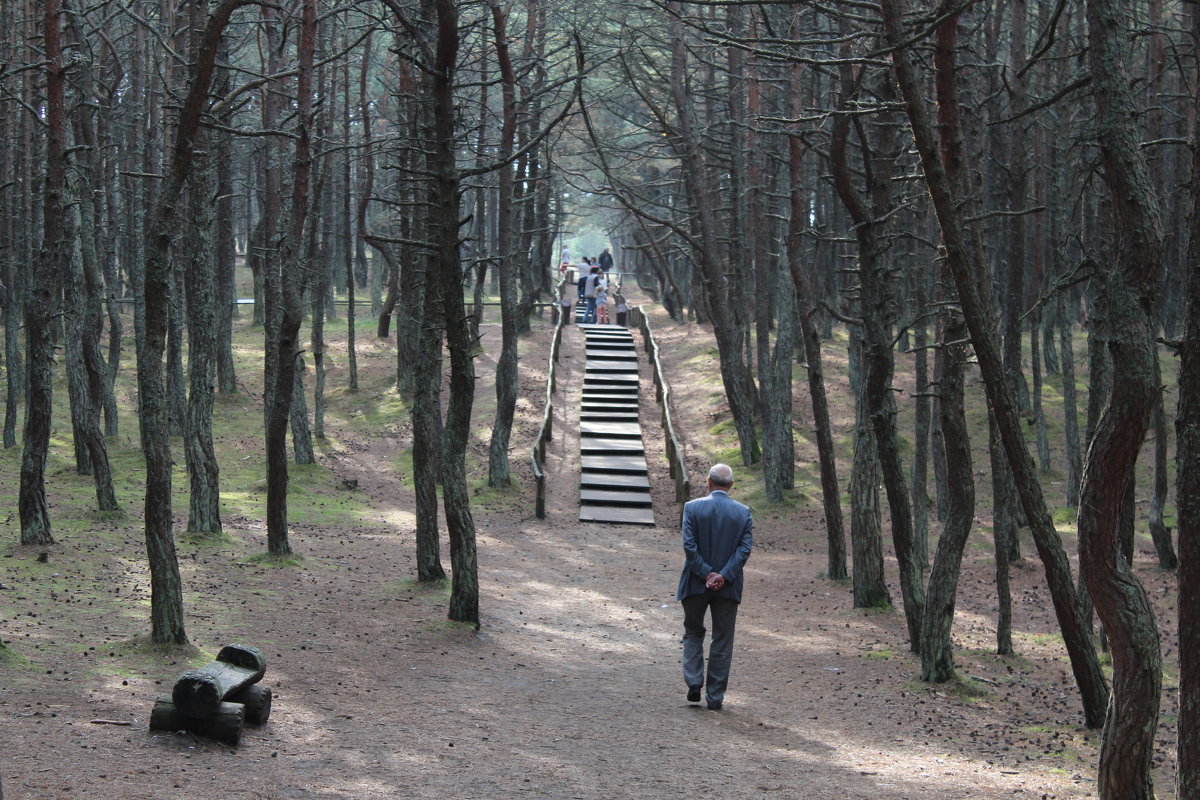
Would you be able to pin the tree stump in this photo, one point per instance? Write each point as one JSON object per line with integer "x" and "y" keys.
{"x": 224, "y": 724}
{"x": 198, "y": 692}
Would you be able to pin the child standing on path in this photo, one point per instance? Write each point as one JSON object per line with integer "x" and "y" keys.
{"x": 601, "y": 300}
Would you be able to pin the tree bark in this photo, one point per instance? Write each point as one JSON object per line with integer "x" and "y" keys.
{"x": 866, "y": 540}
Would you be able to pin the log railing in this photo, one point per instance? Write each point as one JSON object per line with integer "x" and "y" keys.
{"x": 662, "y": 395}
{"x": 545, "y": 432}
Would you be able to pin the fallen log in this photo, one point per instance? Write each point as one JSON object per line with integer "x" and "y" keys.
{"x": 224, "y": 724}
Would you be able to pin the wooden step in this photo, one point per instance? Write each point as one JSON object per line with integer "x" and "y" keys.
{"x": 603, "y": 446}
{"x": 602, "y": 394}
{"x": 606, "y": 365}
{"x": 627, "y": 414}
{"x": 617, "y": 515}
{"x": 610, "y": 379}
{"x": 607, "y": 497}
{"x": 611, "y": 354}
{"x": 613, "y": 391}
{"x": 628, "y": 465}
{"x": 611, "y": 480}
{"x": 610, "y": 404}
{"x": 618, "y": 430}
{"x": 592, "y": 416}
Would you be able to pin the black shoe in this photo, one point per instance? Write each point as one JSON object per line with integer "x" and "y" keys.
{"x": 693, "y": 694}
{"x": 714, "y": 705}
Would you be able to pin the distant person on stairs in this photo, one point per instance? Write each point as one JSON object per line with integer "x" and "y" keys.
{"x": 602, "y": 300}
{"x": 593, "y": 280}
{"x": 606, "y": 261}
{"x": 716, "y": 545}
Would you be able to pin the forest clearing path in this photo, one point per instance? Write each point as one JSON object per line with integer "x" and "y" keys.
{"x": 571, "y": 690}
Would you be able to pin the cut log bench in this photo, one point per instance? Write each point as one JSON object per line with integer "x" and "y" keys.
{"x": 218, "y": 699}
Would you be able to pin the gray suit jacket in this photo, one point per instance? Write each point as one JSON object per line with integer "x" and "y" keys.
{"x": 716, "y": 538}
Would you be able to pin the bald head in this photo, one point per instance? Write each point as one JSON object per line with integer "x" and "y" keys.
{"x": 720, "y": 477}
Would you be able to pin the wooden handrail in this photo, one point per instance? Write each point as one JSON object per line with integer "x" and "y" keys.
{"x": 662, "y": 395}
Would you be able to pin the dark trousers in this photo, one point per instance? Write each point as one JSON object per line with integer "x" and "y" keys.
{"x": 723, "y": 613}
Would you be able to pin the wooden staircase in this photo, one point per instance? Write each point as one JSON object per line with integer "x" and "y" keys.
{"x": 614, "y": 486}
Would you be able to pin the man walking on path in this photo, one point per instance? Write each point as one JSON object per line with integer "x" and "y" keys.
{"x": 716, "y": 544}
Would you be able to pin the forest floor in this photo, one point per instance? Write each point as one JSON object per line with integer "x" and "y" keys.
{"x": 571, "y": 689}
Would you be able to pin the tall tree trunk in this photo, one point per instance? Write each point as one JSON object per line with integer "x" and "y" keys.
{"x": 1070, "y": 410}
{"x": 166, "y": 591}
{"x": 835, "y": 533}
{"x": 735, "y": 374}
{"x": 302, "y": 444}
{"x": 84, "y": 292}
{"x": 204, "y": 500}
{"x": 506, "y": 364}
{"x": 921, "y": 430}
{"x": 225, "y": 289}
{"x": 41, "y": 299}
{"x": 443, "y": 223}
{"x": 964, "y": 263}
{"x": 1159, "y": 532}
{"x": 348, "y": 243}
{"x": 293, "y": 278}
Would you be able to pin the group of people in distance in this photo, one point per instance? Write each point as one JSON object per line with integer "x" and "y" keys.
{"x": 593, "y": 288}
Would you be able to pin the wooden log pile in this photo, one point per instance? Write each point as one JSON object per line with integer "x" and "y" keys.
{"x": 218, "y": 699}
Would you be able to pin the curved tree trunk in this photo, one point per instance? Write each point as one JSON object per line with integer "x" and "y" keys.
{"x": 946, "y": 182}
{"x": 937, "y": 653}
{"x": 1187, "y": 492}
{"x": 1127, "y": 751}
{"x": 878, "y": 359}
